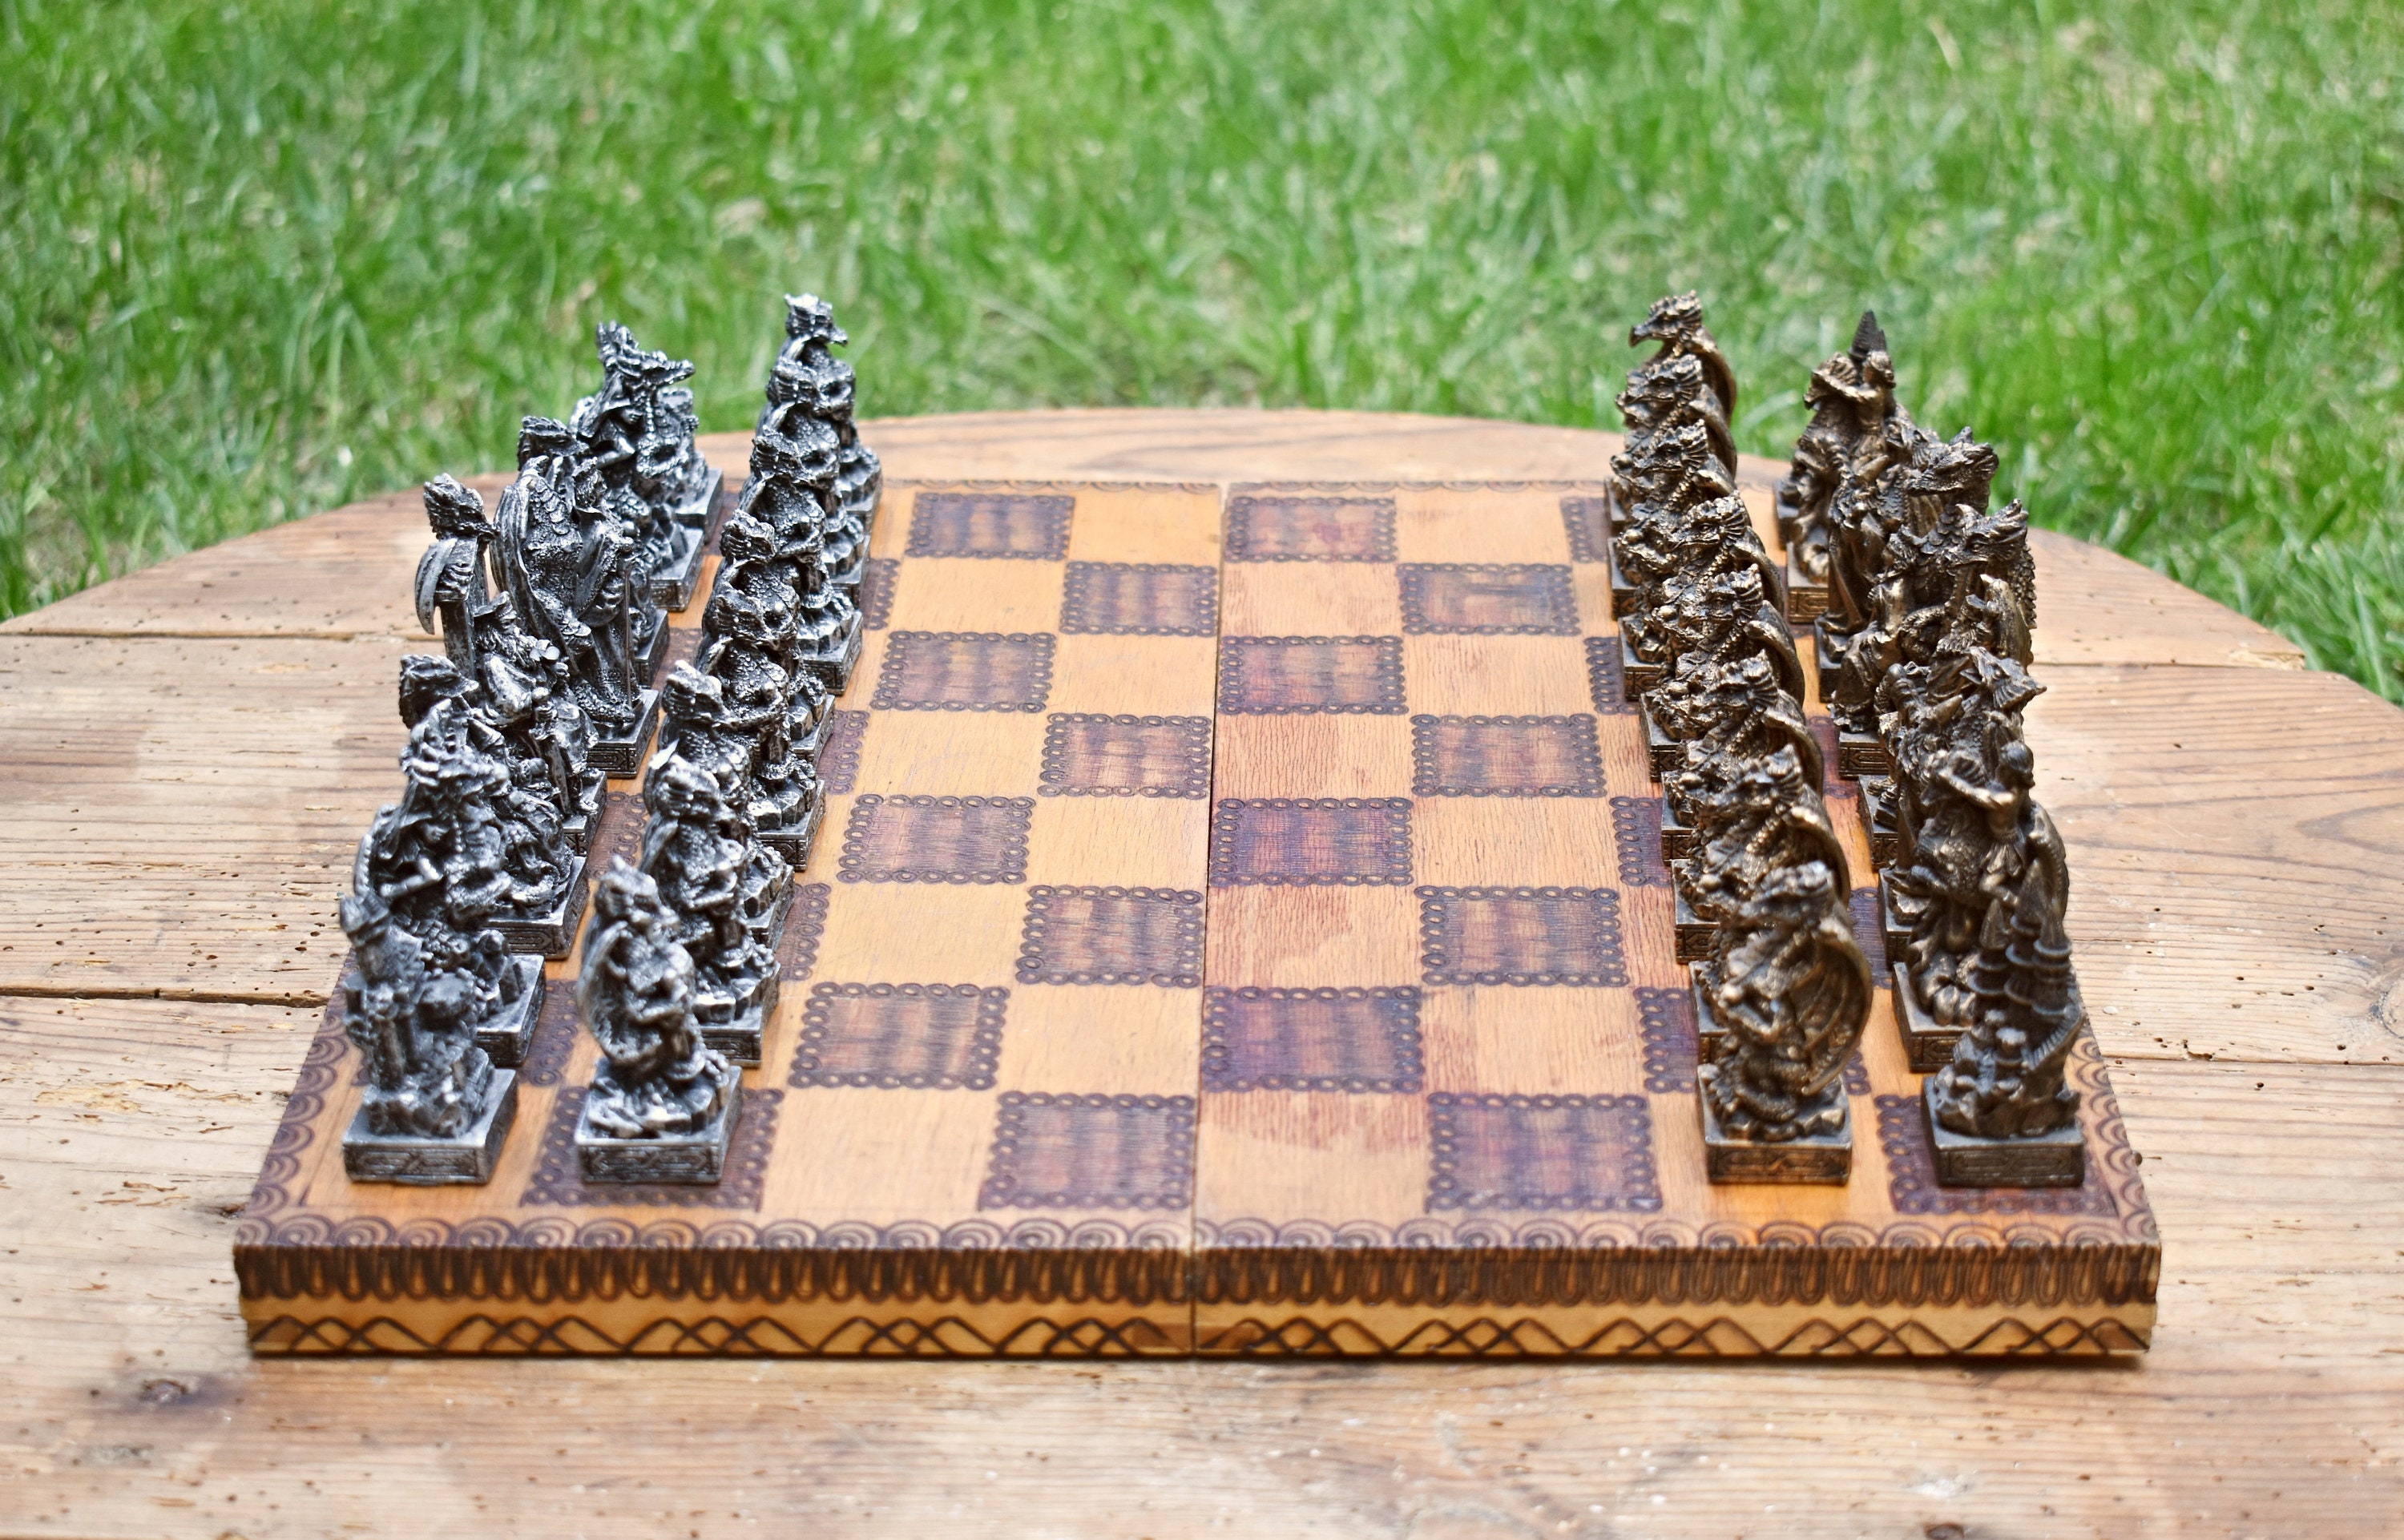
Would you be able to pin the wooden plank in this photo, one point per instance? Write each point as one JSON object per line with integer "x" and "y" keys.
{"x": 2273, "y": 1401}
{"x": 2234, "y": 837}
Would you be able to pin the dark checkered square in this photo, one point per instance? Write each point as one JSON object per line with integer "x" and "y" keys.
{"x": 1636, "y": 837}
{"x": 839, "y": 755}
{"x": 965, "y": 671}
{"x": 1488, "y": 600}
{"x": 1091, "y": 1152}
{"x": 876, "y": 596}
{"x": 1589, "y": 520}
{"x": 1311, "y": 841}
{"x": 1141, "y": 599}
{"x": 1505, "y": 757}
{"x": 919, "y": 1037}
{"x": 1112, "y": 935}
{"x": 1025, "y": 526}
{"x": 1312, "y": 1040}
{"x": 1555, "y": 1153}
{"x": 1528, "y": 936}
{"x": 1309, "y": 529}
{"x": 1122, "y": 756}
{"x": 1303, "y": 675}
{"x": 936, "y": 839}
{"x": 797, "y": 954}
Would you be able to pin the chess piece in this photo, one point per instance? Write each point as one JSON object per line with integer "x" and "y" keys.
{"x": 437, "y": 862}
{"x": 519, "y": 684}
{"x": 1657, "y": 481}
{"x": 432, "y": 1107}
{"x": 1676, "y": 323}
{"x": 1719, "y": 615}
{"x": 1765, "y": 820}
{"x": 761, "y": 703}
{"x": 1670, "y": 392}
{"x": 809, "y": 383}
{"x": 1787, "y": 998}
{"x": 793, "y": 493}
{"x": 2000, "y": 1114}
{"x": 729, "y": 894}
{"x": 663, "y": 1105}
{"x": 637, "y": 432}
{"x": 1722, "y": 718}
{"x": 567, "y": 561}
{"x": 1852, "y": 397}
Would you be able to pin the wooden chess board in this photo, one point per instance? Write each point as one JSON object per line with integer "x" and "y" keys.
{"x": 1238, "y": 927}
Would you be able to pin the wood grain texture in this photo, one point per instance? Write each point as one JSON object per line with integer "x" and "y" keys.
{"x": 2268, "y": 1405}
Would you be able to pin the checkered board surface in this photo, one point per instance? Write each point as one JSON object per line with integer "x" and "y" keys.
{"x": 1238, "y": 927}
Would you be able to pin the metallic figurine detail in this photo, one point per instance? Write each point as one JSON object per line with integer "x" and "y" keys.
{"x": 433, "y": 1109}
{"x": 663, "y": 1105}
{"x": 637, "y": 432}
{"x": 1851, "y": 398}
{"x": 1677, "y": 324}
{"x": 1788, "y": 994}
{"x": 569, "y": 564}
{"x": 809, "y": 384}
{"x": 2000, "y": 1113}
{"x": 729, "y": 894}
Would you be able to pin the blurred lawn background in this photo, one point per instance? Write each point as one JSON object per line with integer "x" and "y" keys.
{"x": 257, "y": 259}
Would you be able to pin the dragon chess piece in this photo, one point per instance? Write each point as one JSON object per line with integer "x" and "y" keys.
{"x": 791, "y": 496}
{"x": 729, "y": 894}
{"x": 2000, "y": 1114}
{"x": 433, "y": 1110}
{"x": 1784, "y": 1001}
{"x": 568, "y": 563}
{"x": 1670, "y": 392}
{"x": 636, "y": 433}
{"x": 662, "y": 1104}
{"x": 517, "y": 683}
{"x": 1676, "y": 323}
{"x": 1765, "y": 820}
{"x": 434, "y": 864}
{"x": 809, "y": 384}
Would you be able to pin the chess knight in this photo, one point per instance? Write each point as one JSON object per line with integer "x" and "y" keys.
{"x": 515, "y": 684}
{"x": 568, "y": 563}
{"x": 636, "y": 433}
{"x": 729, "y": 894}
{"x": 662, "y": 1104}
{"x": 436, "y": 864}
{"x": 808, "y": 383}
{"x": 1784, "y": 1002}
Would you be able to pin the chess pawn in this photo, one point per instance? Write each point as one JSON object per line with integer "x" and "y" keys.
{"x": 2000, "y": 1113}
{"x": 729, "y": 894}
{"x": 1670, "y": 392}
{"x": 809, "y": 381}
{"x": 1784, "y": 1001}
{"x": 662, "y": 1104}
{"x": 432, "y": 1107}
{"x": 1676, "y": 323}
{"x": 1726, "y": 719}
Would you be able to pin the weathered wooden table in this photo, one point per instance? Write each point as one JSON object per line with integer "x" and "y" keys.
{"x": 193, "y": 750}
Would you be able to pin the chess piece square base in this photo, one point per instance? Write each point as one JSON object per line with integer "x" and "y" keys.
{"x": 1860, "y": 754}
{"x": 2057, "y": 1159}
{"x": 1679, "y": 839}
{"x": 681, "y": 1158}
{"x": 736, "y": 1025}
{"x": 1708, "y": 1030}
{"x": 1698, "y": 938}
{"x": 1638, "y": 676}
{"x": 1928, "y": 1046}
{"x": 705, "y": 507}
{"x": 794, "y": 840}
{"x": 1805, "y": 600}
{"x": 622, "y": 755}
{"x": 1623, "y": 592}
{"x": 553, "y": 932}
{"x": 465, "y": 1159}
{"x": 1877, "y": 816}
{"x": 833, "y": 662}
{"x": 1662, "y": 753}
{"x": 1824, "y": 657}
{"x": 672, "y": 588}
{"x": 1898, "y": 936}
{"x": 508, "y": 1032}
{"x": 583, "y": 812}
{"x": 1823, "y": 1159}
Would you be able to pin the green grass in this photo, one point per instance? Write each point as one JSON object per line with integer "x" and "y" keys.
{"x": 259, "y": 258}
